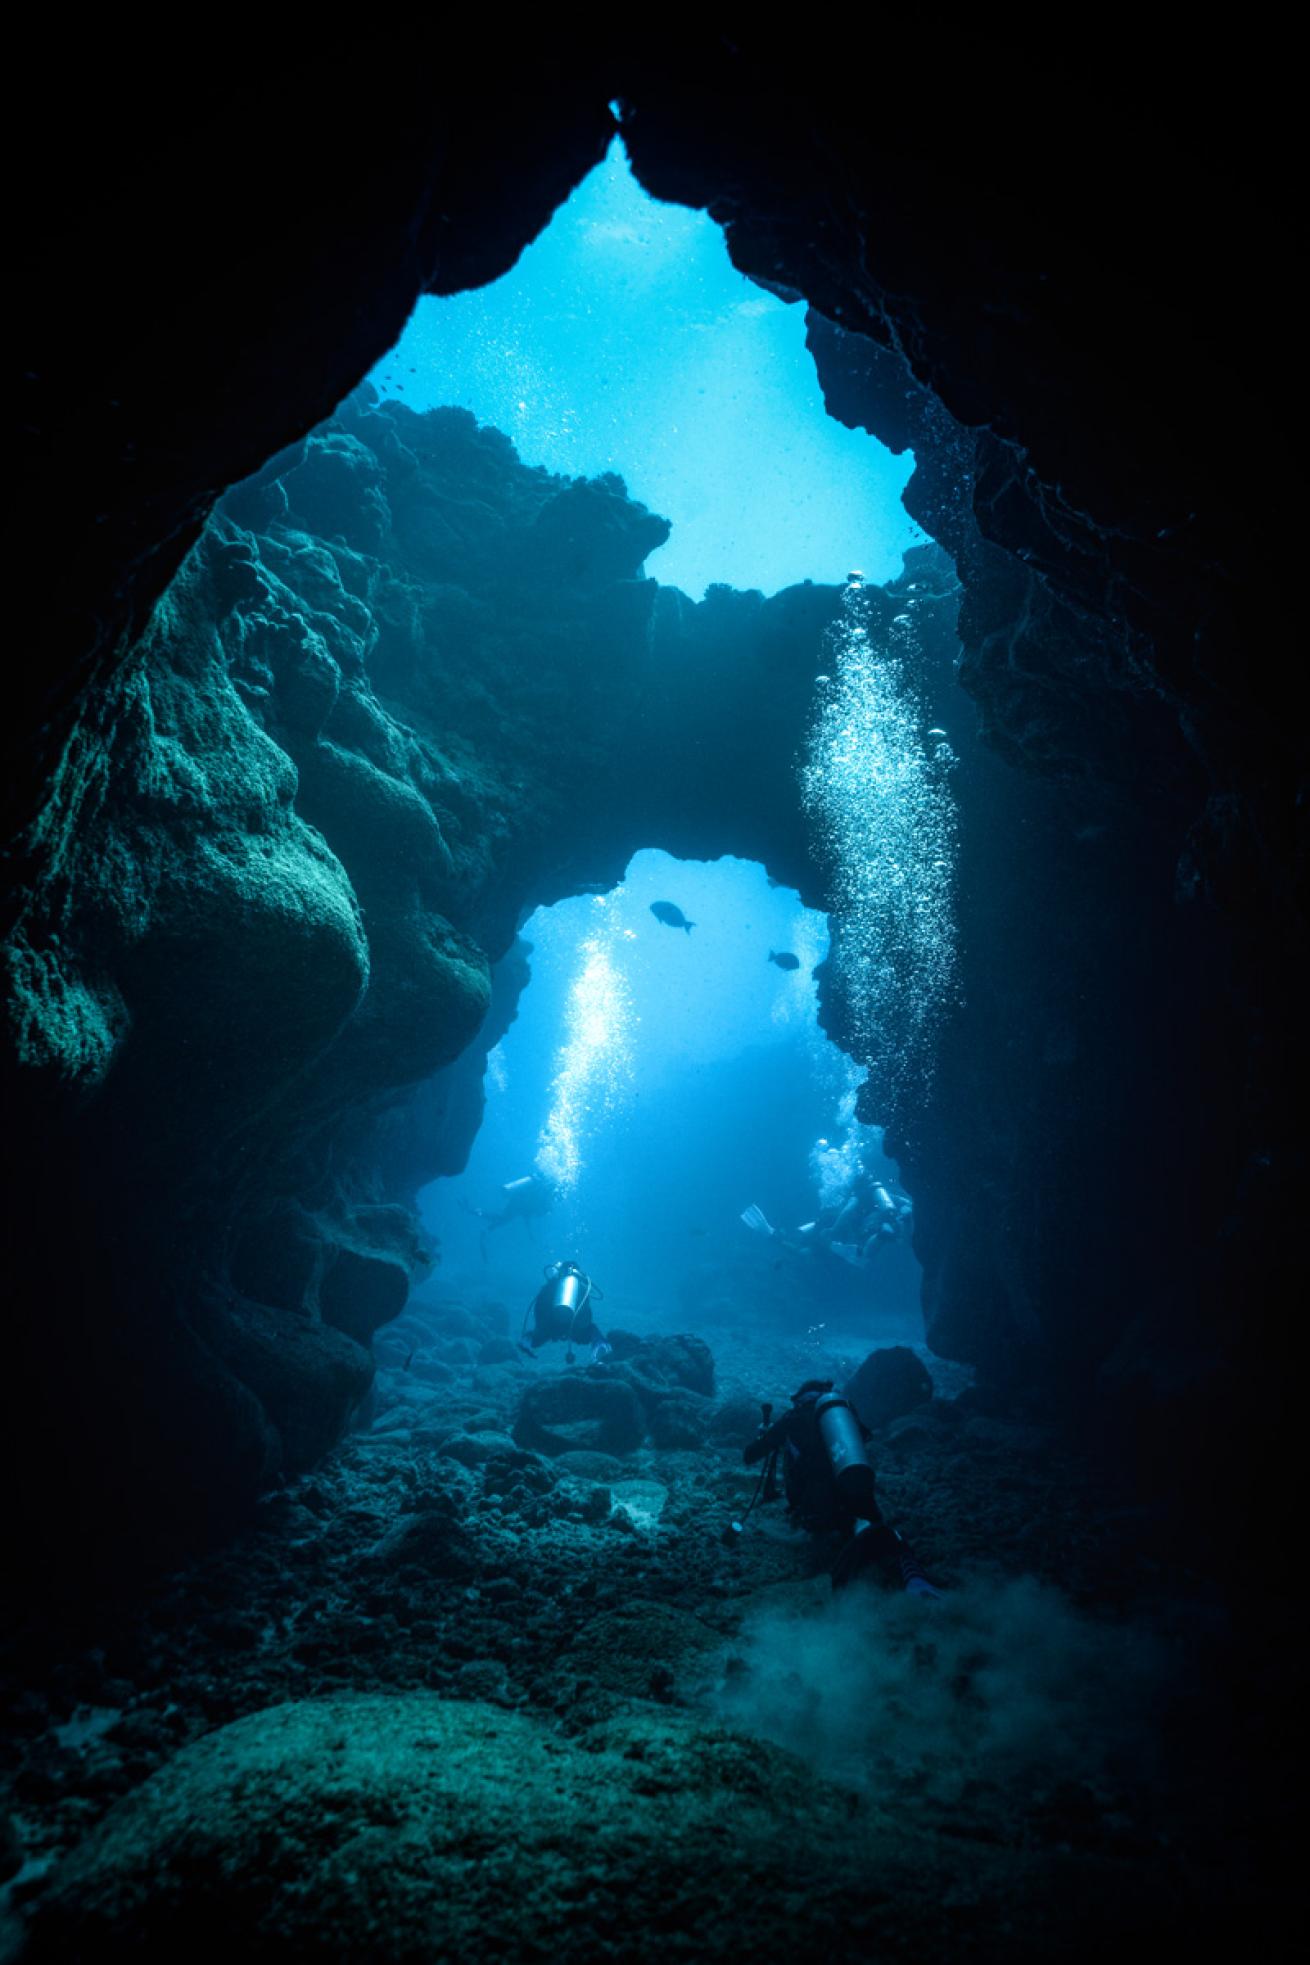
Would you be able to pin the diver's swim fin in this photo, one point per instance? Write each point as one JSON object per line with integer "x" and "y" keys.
{"x": 755, "y": 1218}
{"x": 915, "y": 1582}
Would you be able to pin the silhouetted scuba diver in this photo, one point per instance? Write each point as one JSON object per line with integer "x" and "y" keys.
{"x": 853, "y": 1232}
{"x": 890, "y": 1219}
{"x": 560, "y": 1312}
{"x": 812, "y": 1243}
{"x": 830, "y": 1484}
{"x": 525, "y": 1200}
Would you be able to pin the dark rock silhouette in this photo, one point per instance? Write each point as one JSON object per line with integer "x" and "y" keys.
{"x": 583, "y": 1412}
{"x": 262, "y": 854}
{"x": 1085, "y": 418}
{"x": 680, "y": 1422}
{"x": 342, "y": 766}
{"x": 889, "y": 1383}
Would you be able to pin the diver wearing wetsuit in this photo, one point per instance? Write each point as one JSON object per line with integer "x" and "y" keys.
{"x": 830, "y": 1483}
{"x": 561, "y": 1313}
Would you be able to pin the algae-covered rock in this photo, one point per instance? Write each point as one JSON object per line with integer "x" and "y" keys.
{"x": 619, "y": 1647}
{"x": 412, "y": 1828}
{"x": 431, "y": 1540}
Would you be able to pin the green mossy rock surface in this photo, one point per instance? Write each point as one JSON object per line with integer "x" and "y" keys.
{"x": 418, "y": 1828}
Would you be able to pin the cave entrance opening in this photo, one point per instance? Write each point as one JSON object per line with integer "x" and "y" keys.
{"x": 625, "y": 344}
{"x": 625, "y": 341}
{"x": 669, "y": 1080}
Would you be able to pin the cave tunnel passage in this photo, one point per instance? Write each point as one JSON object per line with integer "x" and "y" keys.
{"x": 667, "y": 1081}
{"x": 451, "y": 1647}
{"x": 624, "y": 340}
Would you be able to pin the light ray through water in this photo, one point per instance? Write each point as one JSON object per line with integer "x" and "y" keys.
{"x": 594, "y": 1067}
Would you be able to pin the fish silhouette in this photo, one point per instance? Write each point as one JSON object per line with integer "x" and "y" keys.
{"x": 672, "y": 917}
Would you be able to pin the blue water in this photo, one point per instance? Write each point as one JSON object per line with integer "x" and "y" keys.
{"x": 666, "y": 1081}
{"x": 624, "y": 340}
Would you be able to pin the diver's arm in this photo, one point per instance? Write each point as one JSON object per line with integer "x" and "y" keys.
{"x": 768, "y": 1441}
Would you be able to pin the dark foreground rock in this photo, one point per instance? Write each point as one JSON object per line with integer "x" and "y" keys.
{"x": 334, "y": 751}
{"x": 736, "y": 1421}
{"x": 890, "y": 1383}
{"x": 1045, "y": 341}
{"x": 412, "y": 1827}
{"x": 1048, "y": 1732}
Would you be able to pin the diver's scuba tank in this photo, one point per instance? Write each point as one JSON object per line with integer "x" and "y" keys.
{"x": 520, "y": 1186}
{"x": 569, "y": 1295}
{"x": 843, "y": 1442}
{"x": 560, "y": 1310}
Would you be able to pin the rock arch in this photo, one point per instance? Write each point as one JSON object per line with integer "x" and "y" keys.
{"x": 1133, "y": 950}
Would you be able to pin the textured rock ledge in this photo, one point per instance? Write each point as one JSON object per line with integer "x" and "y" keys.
{"x": 403, "y": 690}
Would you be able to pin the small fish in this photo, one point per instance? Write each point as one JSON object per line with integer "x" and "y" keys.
{"x": 786, "y": 960}
{"x": 672, "y": 917}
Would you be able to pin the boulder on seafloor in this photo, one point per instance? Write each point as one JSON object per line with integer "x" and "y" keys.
{"x": 661, "y": 1367}
{"x": 345, "y": 1827}
{"x": 586, "y": 1466}
{"x": 618, "y": 1647}
{"x": 431, "y": 1540}
{"x": 680, "y": 1422}
{"x": 475, "y": 1449}
{"x": 736, "y": 1421}
{"x": 588, "y": 1411}
{"x": 888, "y": 1384}
{"x": 498, "y": 1351}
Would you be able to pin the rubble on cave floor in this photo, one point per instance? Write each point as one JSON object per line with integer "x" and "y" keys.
{"x": 997, "y": 1741}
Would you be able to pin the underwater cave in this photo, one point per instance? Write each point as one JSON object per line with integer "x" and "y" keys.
{"x": 653, "y": 973}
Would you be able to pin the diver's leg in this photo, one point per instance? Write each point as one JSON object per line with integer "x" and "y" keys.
{"x": 916, "y": 1583}
{"x": 874, "y": 1547}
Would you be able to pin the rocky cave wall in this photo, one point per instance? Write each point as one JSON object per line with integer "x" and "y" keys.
{"x": 1084, "y": 1161}
{"x": 1032, "y": 248}
{"x": 403, "y": 690}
